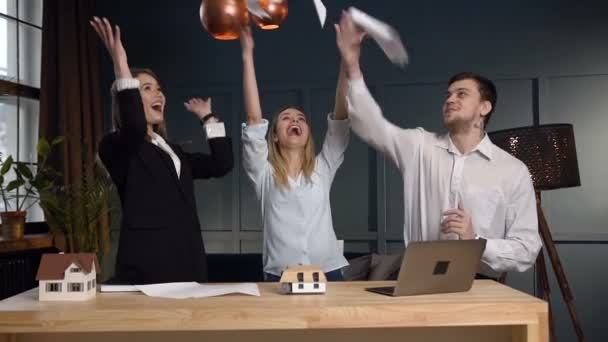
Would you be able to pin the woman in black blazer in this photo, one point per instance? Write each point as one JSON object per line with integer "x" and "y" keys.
{"x": 160, "y": 238}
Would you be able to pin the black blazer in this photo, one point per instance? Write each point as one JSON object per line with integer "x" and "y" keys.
{"x": 160, "y": 236}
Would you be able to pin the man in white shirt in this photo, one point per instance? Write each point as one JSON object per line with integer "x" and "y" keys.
{"x": 457, "y": 185}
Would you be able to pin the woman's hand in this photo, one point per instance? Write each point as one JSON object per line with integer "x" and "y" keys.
{"x": 111, "y": 39}
{"x": 198, "y": 106}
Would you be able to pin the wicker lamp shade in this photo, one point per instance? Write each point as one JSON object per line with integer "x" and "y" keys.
{"x": 548, "y": 151}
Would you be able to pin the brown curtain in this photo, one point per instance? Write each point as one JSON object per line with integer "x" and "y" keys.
{"x": 70, "y": 95}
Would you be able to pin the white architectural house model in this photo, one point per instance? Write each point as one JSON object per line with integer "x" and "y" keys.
{"x": 303, "y": 279}
{"x": 67, "y": 276}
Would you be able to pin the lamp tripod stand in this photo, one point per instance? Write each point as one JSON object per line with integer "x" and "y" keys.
{"x": 542, "y": 275}
{"x": 549, "y": 152}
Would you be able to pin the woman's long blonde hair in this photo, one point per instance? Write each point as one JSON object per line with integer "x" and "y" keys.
{"x": 159, "y": 129}
{"x": 277, "y": 160}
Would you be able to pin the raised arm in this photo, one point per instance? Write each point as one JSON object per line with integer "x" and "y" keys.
{"x": 255, "y": 147}
{"x": 221, "y": 159}
{"x": 340, "y": 108}
{"x": 114, "y": 147}
{"x": 365, "y": 116}
{"x": 337, "y": 136}
{"x": 250, "y": 86}
{"x": 133, "y": 125}
{"x": 113, "y": 43}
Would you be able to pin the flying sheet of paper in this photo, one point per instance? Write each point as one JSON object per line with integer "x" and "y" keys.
{"x": 254, "y": 7}
{"x": 321, "y": 11}
{"x": 387, "y": 37}
{"x": 196, "y": 290}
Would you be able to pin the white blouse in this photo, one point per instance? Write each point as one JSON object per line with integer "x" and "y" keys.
{"x": 298, "y": 225}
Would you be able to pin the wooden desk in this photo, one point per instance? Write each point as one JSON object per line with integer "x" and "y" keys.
{"x": 489, "y": 312}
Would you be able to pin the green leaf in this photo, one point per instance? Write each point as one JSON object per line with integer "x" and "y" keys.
{"x": 7, "y": 165}
{"x": 15, "y": 184}
{"x": 25, "y": 171}
{"x": 18, "y": 174}
{"x": 58, "y": 140}
{"x": 43, "y": 147}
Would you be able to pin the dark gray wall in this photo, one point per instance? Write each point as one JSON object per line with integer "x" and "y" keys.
{"x": 549, "y": 60}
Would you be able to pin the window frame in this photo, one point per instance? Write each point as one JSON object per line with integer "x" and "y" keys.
{"x": 10, "y": 87}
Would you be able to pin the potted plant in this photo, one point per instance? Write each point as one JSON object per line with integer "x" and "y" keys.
{"x": 75, "y": 209}
{"x": 23, "y": 190}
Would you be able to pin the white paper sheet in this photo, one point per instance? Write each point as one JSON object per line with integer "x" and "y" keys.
{"x": 196, "y": 290}
{"x": 321, "y": 11}
{"x": 254, "y": 7}
{"x": 24, "y": 301}
{"x": 387, "y": 37}
{"x": 118, "y": 288}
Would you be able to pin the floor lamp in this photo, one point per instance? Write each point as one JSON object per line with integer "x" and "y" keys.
{"x": 550, "y": 154}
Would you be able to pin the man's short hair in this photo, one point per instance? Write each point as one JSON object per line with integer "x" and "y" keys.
{"x": 486, "y": 88}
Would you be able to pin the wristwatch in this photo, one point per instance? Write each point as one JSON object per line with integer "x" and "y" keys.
{"x": 206, "y": 118}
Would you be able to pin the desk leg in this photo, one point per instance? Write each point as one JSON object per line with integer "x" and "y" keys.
{"x": 537, "y": 332}
{"x": 543, "y": 322}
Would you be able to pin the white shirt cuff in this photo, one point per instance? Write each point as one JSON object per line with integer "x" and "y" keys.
{"x": 255, "y": 131}
{"x": 125, "y": 83}
{"x": 337, "y": 125}
{"x": 331, "y": 117}
{"x": 215, "y": 130}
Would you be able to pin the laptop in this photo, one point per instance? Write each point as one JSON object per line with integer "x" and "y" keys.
{"x": 431, "y": 267}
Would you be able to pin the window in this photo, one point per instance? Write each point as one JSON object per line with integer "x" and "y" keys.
{"x": 93, "y": 283}
{"x": 89, "y": 285}
{"x": 74, "y": 269}
{"x": 20, "y": 63}
{"x": 75, "y": 287}
{"x": 53, "y": 287}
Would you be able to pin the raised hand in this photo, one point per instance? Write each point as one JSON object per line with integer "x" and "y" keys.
{"x": 198, "y": 106}
{"x": 111, "y": 39}
{"x": 348, "y": 39}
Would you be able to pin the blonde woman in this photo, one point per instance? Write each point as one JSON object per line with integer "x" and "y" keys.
{"x": 292, "y": 183}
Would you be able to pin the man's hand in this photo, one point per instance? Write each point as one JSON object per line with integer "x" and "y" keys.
{"x": 459, "y": 222}
{"x": 348, "y": 39}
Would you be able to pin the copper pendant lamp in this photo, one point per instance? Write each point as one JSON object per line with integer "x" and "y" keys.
{"x": 276, "y": 9}
{"x": 223, "y": 19}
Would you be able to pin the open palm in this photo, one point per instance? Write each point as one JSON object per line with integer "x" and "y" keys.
{"x": 111, "y": 39}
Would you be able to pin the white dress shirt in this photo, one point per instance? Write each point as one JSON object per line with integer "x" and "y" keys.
{"x": 494, "y": 187}
{"x": 162, "y": 144}
{"x": 298, "y": 225}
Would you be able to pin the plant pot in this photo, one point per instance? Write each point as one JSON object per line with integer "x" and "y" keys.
{"x": 13, "y": 224}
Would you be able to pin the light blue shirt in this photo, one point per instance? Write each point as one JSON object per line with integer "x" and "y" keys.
{"x": 298, "y": 225}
